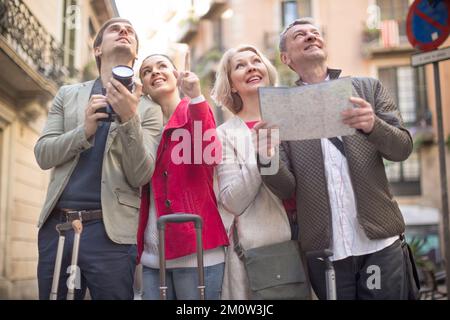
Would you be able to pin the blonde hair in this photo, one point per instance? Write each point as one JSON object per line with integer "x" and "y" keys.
{"x": 221, "y": 92}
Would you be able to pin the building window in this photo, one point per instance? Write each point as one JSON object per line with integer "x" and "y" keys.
{"x": 289, "y": 12}
{"x": 408, "y": 89}
{"x": 395, "y": 10}
{"x": 71, "y": 22}
{"x": 404, "y": 177}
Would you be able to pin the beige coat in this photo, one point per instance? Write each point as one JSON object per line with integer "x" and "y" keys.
{"x": 128, "y": 161}
{"x": 260, "y": 215}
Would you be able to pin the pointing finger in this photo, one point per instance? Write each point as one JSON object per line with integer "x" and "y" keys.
{"x": 187, "y": 61}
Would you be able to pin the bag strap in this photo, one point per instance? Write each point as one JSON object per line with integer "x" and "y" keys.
{"x": 237, "y": 245}
{"x": 411, "y": 260}
{"x": 402, "y": 239}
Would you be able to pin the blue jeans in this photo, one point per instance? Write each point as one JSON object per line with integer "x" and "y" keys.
{"x": 107, "y": 268}
{"x": 182, "y": 283}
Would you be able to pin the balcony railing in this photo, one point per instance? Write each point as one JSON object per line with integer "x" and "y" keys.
{"x": 188, "y": 30}
{"x": 30, "y": 40}
{"x": 389, "y": 39}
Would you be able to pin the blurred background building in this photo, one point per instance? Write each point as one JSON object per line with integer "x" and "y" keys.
{"x": 43, "y": 44}
{"x": 46, "y": 43}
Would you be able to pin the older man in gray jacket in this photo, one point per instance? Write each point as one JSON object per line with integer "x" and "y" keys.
{"x": 343, "y": 199}
{"x": 97, "y": 169}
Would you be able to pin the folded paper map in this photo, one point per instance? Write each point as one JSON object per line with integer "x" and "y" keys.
{"x": 309, "y": 111}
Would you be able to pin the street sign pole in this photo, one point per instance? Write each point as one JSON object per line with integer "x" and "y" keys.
{"x": 428, "y": 26}
{"x": 443, "y": 172}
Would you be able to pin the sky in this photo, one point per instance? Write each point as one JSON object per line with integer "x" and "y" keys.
{"x": 144, "y": 14}
{"x": 147, "y": 17}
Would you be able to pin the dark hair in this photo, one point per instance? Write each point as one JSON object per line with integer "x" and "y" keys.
{"x": 283, "y": 35}
{"x": 154, "y": 55}
{"x": 99, "y": 37}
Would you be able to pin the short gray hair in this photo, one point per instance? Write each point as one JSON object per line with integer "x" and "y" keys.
{"x": 283, "y": 35}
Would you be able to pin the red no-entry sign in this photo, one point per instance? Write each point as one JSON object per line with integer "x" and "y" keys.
{"x": 428, "y": 27}
{"x": 428, "y": 23}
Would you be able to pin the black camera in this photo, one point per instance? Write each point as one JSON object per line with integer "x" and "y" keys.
{"x": 124, "y": 75}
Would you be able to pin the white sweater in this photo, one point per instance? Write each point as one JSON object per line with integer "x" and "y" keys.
{"x": 150, "y": 256}
{"x": 261, "y": 217}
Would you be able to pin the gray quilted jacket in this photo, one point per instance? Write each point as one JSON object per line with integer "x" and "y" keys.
{"x": 302, "y": 172}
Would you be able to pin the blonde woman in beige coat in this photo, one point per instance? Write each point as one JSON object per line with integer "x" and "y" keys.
{"x": 259, "y": 215}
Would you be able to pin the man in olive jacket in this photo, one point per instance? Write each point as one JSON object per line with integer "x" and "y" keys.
{"x": 340, "y": 185}
{"x": 97, "y": 169}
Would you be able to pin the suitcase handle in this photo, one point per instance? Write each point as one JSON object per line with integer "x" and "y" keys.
{"x": 62, "y": 228}
{"x": 324, "y": 254}
{"x": 330, "y": 276}
{"x": 179, "y": 218}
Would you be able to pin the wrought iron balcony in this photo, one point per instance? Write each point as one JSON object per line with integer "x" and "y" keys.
{"x": 30, "y": 41}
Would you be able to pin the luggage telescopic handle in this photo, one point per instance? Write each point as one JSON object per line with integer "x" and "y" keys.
{"x": 62, "y": 228}
{"x": 320, "y": 254}
{"x": 179, "y": 218}
{"x": 78, "y": 229}
{"x": 330, "y": 275}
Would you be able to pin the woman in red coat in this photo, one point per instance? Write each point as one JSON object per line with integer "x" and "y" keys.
{"x": 182, "y": 183}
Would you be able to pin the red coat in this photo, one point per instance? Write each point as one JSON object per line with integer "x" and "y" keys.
{"x": 185, "y": 187}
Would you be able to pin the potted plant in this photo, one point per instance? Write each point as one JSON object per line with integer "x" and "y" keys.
{"x": 371, "y": 35}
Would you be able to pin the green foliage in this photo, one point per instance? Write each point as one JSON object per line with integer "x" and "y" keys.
{"x": 286, "y": 76}
{"x": 90, "y": 71}
{"x": 191, "y": 19}
{"x": 423, "y": 138}
{"x": 421, "y": 260}
{"x": 206, "y": 66}
{"x": 371, "y": 35}
{"x": 208, "y": 62}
